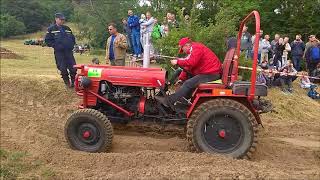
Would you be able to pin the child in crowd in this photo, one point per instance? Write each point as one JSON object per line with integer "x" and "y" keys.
{"x": 313, "y": 92}
{"x": 95, "y": 61}
{"x": 142, "y": 28}
{"x": 287, "y": 75}
{"x": 268, "y": 72}
{"x": 262, "y": 76}
{"x": 305, "y": 81}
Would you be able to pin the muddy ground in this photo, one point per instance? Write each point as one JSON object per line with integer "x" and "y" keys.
{"x": 34, "y": 111}
{"x": 7, "y": 54}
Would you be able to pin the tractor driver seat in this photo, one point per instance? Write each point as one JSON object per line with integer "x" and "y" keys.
{"x": 229, "y": 73}
{"x": 230, "y": 76}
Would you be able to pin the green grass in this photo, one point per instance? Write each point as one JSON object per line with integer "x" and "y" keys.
{"x": 18, "y": 165}
{"x": 47, "y": 173}
{"x": 36, "y": 60}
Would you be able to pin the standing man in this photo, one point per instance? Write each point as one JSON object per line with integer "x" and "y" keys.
{"x": 274, "y": 43}
{"x": 116, "y": 47}
{"x": 133, "y": 22}
{"x": 265, "y": 47}
{"x": 297, "y": 50}
{"x": 200, "y": 66}
{"x": 260, "y": 45}
{"x": 148, "y": 26}
{"x": 312, "y": 53}
{"x": 287, "y": 49}
{"x": 246, "y": 44}
{"x": 61, "y": 39}
{"x": 127, "y": 33}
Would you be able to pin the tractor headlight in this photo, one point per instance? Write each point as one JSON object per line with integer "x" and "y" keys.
{"x": 85, "y": 82}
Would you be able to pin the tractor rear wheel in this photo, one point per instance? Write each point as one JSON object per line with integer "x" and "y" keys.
{"x": 223, "y": 126}
{"x": 89, "y": 130}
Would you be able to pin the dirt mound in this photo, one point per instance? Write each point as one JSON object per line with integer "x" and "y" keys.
{"x": 34, "y": 111}
{"x": 7, "y": 54}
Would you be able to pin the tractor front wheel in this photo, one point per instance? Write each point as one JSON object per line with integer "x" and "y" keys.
{"x": 89, "y": 130}
{"x": 223, "y": 126}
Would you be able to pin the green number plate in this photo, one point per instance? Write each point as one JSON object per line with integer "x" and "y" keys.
{"x": 93, "y": 72}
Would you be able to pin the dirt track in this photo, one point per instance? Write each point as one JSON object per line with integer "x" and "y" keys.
{"x": 33, "y": 113}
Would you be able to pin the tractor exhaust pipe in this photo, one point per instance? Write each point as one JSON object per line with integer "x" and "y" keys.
{"x": 146, "y": 52}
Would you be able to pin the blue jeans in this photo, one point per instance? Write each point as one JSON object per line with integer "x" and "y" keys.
{"x": 297, "y": 62}
{"x": 136, "y": 42}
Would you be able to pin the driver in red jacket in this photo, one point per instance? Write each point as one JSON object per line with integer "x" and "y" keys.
{"x": 200, "y": 66}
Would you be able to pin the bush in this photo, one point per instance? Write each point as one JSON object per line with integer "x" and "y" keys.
{"x": 31, "y": 13}
{"x": 245, "y": 74}
{"x": 213, "y": 35}
{"x": 10, "y": 26}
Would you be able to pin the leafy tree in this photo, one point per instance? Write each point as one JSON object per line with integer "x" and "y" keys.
{"x": 34, "y": 14}
{"x": 31, "y": 13}
{"x": 92, "y": 18}
{"x": 290, "y": 17}
{"x": 53, "y": 6}
{"x": 10, "y": 26}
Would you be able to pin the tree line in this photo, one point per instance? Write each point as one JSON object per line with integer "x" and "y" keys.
{"x": 21, "y": 16}
{"x": 210, "y": 19}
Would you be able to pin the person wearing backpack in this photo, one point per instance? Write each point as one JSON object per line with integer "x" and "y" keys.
{"x": 156, "y": 31}
{"x": 313, "y": 92}
{"x": 316, "y": 73}
{"x": 313, "y": 54}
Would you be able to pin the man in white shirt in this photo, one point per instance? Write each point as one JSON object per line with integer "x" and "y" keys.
{"x": 265, "y": 47}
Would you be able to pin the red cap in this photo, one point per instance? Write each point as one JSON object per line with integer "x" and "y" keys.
{"x": 182, "y": 42}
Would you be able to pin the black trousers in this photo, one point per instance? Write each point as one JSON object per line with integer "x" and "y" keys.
{"x": 65, "y": 62}
{"x": 189, "y": 85}
{"x": 286, "y": 80}
{"x": 312, "y": 66}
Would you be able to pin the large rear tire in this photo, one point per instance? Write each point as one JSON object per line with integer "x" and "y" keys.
{"x": 223, "y": 126}
{"x": 89, "y": 130}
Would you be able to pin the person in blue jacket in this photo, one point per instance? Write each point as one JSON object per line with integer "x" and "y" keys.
{"x": 61, "y": 39}
{"x": 313, "y": 92}
{"x": 133, "y": 23}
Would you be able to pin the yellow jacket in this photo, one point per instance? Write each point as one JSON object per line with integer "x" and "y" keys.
{"x": 119, "y": 47}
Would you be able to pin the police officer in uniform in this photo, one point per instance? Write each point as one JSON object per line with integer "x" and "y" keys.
{"x": 61, "y": 39}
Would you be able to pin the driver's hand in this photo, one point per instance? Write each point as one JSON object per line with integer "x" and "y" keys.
{"x": 178, "y": 82}
{"x": 107, "y": 60}
{"x": 174, "y": 62}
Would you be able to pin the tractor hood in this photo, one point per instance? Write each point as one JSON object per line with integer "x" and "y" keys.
{"x": 124, "y": 76}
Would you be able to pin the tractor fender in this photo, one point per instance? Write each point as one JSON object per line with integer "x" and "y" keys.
{"x": 200, "y": 98}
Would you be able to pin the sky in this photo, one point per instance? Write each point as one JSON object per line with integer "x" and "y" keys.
{"x": 144, "y": 2}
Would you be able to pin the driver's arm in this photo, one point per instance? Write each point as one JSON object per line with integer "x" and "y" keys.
{"x": 183, "y": 76}
{"x": 192, "y": 60}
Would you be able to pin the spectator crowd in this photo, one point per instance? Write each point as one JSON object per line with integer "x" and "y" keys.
{"x": 281, "y": 60}
{"x": 280, "y": 55}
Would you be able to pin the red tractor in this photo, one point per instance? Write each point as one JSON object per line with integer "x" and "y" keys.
{"x": 219, "y": 117}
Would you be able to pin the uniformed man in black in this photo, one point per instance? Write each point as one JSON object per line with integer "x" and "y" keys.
{"x": 61, "y": 39}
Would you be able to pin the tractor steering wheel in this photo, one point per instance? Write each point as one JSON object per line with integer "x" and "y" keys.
{"x": 176, "y": 74}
